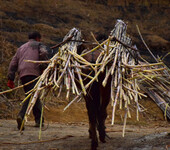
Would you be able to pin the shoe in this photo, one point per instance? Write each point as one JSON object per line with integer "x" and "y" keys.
{"x": 37, "y": 125}
{"x": 19, "y": 122}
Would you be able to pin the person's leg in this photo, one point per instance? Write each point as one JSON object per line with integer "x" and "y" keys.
{"x": 37, "y": 113}
{"x": 27, "y": 88}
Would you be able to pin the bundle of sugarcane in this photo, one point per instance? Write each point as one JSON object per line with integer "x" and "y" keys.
{"x": 63, "y": 67}
{"x": 117, "y": 55}
{"x": 157, "y": 85}
{"x": 119, "y": 59}
{"x": 155, "y": 81}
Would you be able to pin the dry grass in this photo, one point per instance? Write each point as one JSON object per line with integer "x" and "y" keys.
{"x": 15, "y": 25}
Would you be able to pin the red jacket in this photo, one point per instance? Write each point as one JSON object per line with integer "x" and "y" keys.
{"x": 32, "y": 50}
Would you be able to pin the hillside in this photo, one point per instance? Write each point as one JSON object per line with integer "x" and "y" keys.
{"x": 55, "y": 18}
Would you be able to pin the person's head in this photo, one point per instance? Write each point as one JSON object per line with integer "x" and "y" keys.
{"x": 34, "y": 35}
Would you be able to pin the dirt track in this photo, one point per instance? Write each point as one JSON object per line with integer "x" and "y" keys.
{"x": 59, "y": 136}
{"x": 69, "y": 130}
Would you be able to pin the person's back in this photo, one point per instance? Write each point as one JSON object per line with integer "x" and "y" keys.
{"x": 28, "y": 51}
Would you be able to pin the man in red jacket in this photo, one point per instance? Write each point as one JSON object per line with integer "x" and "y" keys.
{"x": 27, "y": 71}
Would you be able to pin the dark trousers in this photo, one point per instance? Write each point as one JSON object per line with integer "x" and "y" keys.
{"x": 38, "y": 106}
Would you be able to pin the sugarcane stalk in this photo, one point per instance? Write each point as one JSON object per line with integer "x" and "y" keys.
{"x": 97, "y": 41}
{"x": 18, "y": 87}
{"x": 78, "y": 96}
{"x": 62, "y": 74}
{"x": 85, "y": 75}
{"x": 124, "y": 95}
{"x": 28, "y": 96}
{"x": 107, "y": 46}
{"x": 60, "y": 89}
{"x": 112, "y": 90}
{"x": 145, "y": 43}
{"x": 130, "y": 96}
{"x": 136, "y": 100}
{"x": 134, "y": 91}
{"x": 128, "y": 113}
{"x": 67, "y": 94}
{"x": 104, "y": 62}
{"x": 84, "y": 63}
{"x": 22, "y": 124}
{"x": 118, "y": 89}
{"x": 145, "y": 65}
{"x": 32, "y": 102}
{"x": 44, "y": 87}
{"x": 81, "y": 58}
{"x": 127, "y": 80}
{"x": 67, "y": 81}
{"x": 146, "y": 76}
{"x": 39, "y": 62}
{"x": 124, "y": 124}
{"x": 95, "y": 77}
{"x": 106, "y": 78}
{"x": 99, "y": 58}
{"x": 114, "y": 105}
{"x": 94, "y": 48}
{"x": 111, "y": 71}
{"x": 148, "y": 71}
{"x": 121, "y": 95}
{"x": 41, "y": 119}
{"x": 73, "y": 82}
{"x": 81, "y": 81}
{"x": 55, "y": 76}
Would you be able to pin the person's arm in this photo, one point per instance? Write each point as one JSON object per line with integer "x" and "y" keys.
{"x": 13, "y": 67}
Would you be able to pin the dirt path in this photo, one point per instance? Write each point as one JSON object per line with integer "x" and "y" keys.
{"x": 60, "y": 136}
{"x": 69, "y": 130}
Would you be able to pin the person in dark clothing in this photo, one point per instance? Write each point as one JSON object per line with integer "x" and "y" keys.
{"x": 27, "y": 71}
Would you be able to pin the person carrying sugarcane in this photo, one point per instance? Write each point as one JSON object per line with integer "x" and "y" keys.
{"x": 27, "y": 71}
